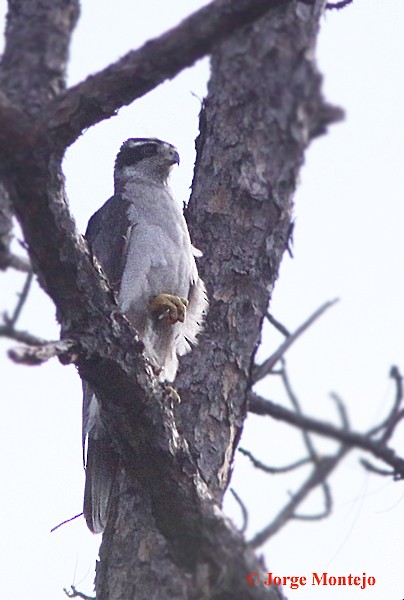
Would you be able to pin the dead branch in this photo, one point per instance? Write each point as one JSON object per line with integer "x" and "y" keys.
{"x": 274, "y": 470}
{"x": 396, "y": 414}
{"x": 20, "y": 336}
{"x": 348, "y": 439}
{"x": 317, "y": 478}
{"x": 66, "y": 350}
{"x": 100, "y": 96}
{"x": 373, "y": 469}
{"x": 11, "y": 321}
{"x": 306, "y": 437}
{"x": 342, "y": 411}
{"x": 13, "y": 261}
{"x": 261, "y": 371}
{"x": 8, "y": 329}
{"x": 324, "y": 467}
{"x": 296, "y": 405}
{"x": 260, "y": 406}
{"x": 74, "y": 593}
{"x": 244, "y": 511}
{"x": 279, "y": 326}
{"x": 327, "y": 507}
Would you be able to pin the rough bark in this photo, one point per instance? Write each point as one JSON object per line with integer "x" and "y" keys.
{"x": 263, "y": 107}
{"x": 166, "y": 535}
{"x": 32, "y": 72}
{"x": 139, "y": 71}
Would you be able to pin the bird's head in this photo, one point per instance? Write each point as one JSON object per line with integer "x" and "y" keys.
{"x": 148, "y": 158}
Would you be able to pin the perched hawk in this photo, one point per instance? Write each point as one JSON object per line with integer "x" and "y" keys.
{"x": 142, "y": 242}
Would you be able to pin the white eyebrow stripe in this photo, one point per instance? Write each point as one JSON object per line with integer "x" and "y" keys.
{"x": 145, "y": 142}
{"x": 137, "y": 144}
{"x": 151, "y": 141}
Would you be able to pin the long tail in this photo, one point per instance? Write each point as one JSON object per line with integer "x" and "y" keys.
{"x": 101, "y": 468}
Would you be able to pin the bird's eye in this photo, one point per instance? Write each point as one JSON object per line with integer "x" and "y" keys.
{"x": 132, "y": 155}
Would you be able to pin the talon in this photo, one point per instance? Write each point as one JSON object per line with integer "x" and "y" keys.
{"x": 168, "y": 307}
{"x": 172, "y": 394}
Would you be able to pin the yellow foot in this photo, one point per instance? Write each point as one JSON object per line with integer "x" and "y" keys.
{"x": 168, "y": 307}
{"x": 172, "y": 394}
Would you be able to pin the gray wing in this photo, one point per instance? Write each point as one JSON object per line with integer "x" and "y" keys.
{"x": 107, "y": 234}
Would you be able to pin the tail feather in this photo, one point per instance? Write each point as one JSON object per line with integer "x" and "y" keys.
{"x": 101, "y": 468}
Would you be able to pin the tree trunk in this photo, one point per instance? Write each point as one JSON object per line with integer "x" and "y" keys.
{"x": 166, "y": 537}
{"x": 263, "y": 107}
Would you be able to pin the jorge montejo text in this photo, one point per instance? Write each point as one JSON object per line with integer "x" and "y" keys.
{"x": 315, "y": 579}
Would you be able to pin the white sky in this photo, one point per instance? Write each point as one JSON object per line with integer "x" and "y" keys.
{"x": 348, "y": 244}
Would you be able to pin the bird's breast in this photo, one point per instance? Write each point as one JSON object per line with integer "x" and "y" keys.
{"x": 159, "y": 253}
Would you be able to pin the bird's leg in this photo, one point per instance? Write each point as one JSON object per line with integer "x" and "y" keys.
{"x": 168, "y": 307}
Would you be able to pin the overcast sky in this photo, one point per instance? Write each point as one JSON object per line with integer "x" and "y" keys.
{"x": 348, "y": 244}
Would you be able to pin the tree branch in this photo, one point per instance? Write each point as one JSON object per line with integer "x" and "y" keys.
{"x": 244, "y": 511}
{"x": 74, "y": 593}
{"x": 260, "y": 406}
{"x": 11, "y": 321}
{"x": 20, "y": 336}
{"x": 138, "y": 72}
{"x": 298, "y": 410}
{"x": 138, "y": 419}
{"x": 13, "y": 261}
{"x": 261, "y": 371}
{"x": 279, "y": 326}
{"x": 396, "y": 414}
{"x": 319, "y": 475}
{"x": 274, "y": 470}
{"x": 66, "y": 350}
{"x": 8, "y": 329}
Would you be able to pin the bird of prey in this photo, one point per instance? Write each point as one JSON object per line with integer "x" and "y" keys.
{"x": 140, "y": 238}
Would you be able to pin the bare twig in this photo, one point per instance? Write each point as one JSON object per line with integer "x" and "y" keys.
{"x": 19, "y": 263}
{"x": 261, "y": 371}
{"x": 320, "y": 473}
{"x": 342, "y": 411}
{"x": 244, "y": 511}
{"x": 373, "y": 469}
{"x": 8, "y": 329}
{"x": 327, "y": 507}
{"x": 274, "y": 470}
{"x": 277, "y": 325}
{"x": 65, "y": 522}
{"x": 74, "y": 593}
{"x": 396, "y": 414}
{"x": 306, "y": 437}
{"x": 20, "y": 336}
{"x": 259, "y": 405}
{"x": 296, "y": 405}
{"x": 65, "y": 350}
{"x": 11, "y": 321}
